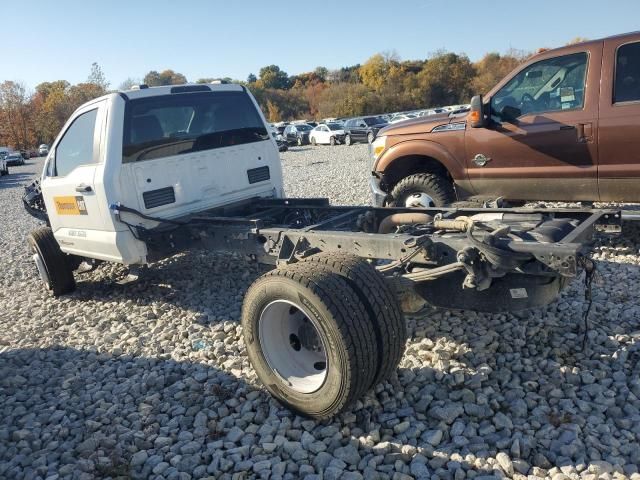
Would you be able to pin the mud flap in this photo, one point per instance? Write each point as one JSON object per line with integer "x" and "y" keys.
{"x": 512, "y": 292}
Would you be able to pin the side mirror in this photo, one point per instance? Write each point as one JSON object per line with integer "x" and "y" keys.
{"x": 476, "y": 117}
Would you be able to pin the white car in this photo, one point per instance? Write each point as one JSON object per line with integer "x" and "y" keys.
{"x": 401, "y": 117}
{"x": 43, "y": 150}
{"x": 327, "y": 134}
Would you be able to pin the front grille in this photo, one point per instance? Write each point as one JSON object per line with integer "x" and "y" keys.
{"x": 259, "y": 174}
{"x": 157, "y": 198}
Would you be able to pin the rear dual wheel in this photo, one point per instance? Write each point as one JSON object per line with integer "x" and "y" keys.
{"x": 315, "y": 337}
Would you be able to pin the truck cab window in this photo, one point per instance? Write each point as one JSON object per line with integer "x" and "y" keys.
{"x": 627, "y": 86}
{"x": 76, "y": 146}
{"x": 549, "y": 85}
{"x": 163, "y": 126}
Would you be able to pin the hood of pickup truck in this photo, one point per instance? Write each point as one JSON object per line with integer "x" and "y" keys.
{"x": 420, "y": 125}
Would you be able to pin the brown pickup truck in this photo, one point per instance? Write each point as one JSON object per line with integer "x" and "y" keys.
{"x": 565, "y": 125}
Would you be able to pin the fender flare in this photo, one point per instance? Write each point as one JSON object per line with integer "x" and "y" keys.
{"x": 424, "y": 148}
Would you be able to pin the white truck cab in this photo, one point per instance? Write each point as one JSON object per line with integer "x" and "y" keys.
{"x": 165, "y": 152}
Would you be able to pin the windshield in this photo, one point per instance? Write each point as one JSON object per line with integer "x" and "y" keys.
{"x": 334, "y": 126}
{"x": 167, "y": 125}
{"x": 303, "y": 128}
{"x": 374, "y": 120}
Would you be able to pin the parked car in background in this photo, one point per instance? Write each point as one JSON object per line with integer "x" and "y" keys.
{"x": 363, "y": 129}
{"x": 43, "y": 150}
{"x": 297, "y": 134}
{"x": 282, "y": 145}
{"x": 4, "y": 151}
{"x": 4, "y": 169}
{"x": 25, "y": 154}
{"x": 14, "y": 158}
{"x": 401, "y": 117}
{"x": 563, "y": 126}
{"x": 327, "y": 134}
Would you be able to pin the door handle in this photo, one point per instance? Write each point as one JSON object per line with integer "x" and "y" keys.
{"x": 584, "y": 132}
{"x": 568, "y": 127}
{"x": 82, "y": 188}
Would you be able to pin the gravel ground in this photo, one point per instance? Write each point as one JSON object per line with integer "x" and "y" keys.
{"x": 152, "y": 380}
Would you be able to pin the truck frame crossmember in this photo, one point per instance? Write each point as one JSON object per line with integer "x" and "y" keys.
{"x": 510, "y": 241}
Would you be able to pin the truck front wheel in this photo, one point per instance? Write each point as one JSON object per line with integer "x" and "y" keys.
{"x": 423, "y": 190}
{"x": 52, "y": 264}
{"x": 309, "y": 339}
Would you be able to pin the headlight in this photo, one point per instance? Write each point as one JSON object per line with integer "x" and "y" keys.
{"x": 378, "y": 146}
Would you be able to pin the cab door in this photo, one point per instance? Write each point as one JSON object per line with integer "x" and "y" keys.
{"x": 541, "y": 140}
{"x": 619, "y": 126}
{"x": 70, "y": 192}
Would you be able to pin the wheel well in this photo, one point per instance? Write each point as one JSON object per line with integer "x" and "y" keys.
{"x": 405, "y": 166}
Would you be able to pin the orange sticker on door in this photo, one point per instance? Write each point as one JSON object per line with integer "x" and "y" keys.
{"x": 70, "y": 205}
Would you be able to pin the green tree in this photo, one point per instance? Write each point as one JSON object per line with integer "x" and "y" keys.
{"x": 251, "y": 78}
{"x": 166, "y": 77}
{"x": 272, "y": 77}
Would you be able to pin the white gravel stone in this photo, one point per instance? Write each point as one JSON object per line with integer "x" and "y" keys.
{"x": 153, "y": 380}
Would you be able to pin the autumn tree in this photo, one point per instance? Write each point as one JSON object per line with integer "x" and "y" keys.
{"x": 273, "y": 112}
{"x": 445, "y": 80}
{"x": 493, "y": 67}
{"x": 129, "y": 83}
{"x": 96, "y": 77}
{"x": 15, "y": 114}
{"x": 52, "y": 107}
{"x": 575, "y": 40}
{"x": 347, "y": 99}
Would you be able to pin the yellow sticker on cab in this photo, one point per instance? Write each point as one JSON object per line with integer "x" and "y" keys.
{"x": 70, "y": 205}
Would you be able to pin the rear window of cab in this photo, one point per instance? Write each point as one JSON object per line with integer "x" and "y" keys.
{"x": 167, "y": 125}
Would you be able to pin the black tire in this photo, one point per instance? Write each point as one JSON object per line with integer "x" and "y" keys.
{"x": 57, "y": 265}
{"x": 313, "y": 141}
{"x": 347, "y": 140}
{"x": 332, "y": 141}
{"x": 381, "y": 304}
{"x": 341, "y": 322}
{"x": 437, "y": 187}
{"x": 370, "y": 137}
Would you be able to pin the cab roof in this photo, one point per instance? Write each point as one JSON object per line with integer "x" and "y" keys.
{"x": 145, "y": 91}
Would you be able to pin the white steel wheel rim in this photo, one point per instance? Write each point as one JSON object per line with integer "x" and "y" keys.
{"x": 292, "y": 346}
{"x": 419, "y": 199}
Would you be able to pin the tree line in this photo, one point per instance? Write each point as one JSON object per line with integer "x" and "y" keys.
{"x": 384, "y": 83}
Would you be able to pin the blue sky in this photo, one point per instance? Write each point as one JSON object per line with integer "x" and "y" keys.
{"x": 48, "y": 40}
